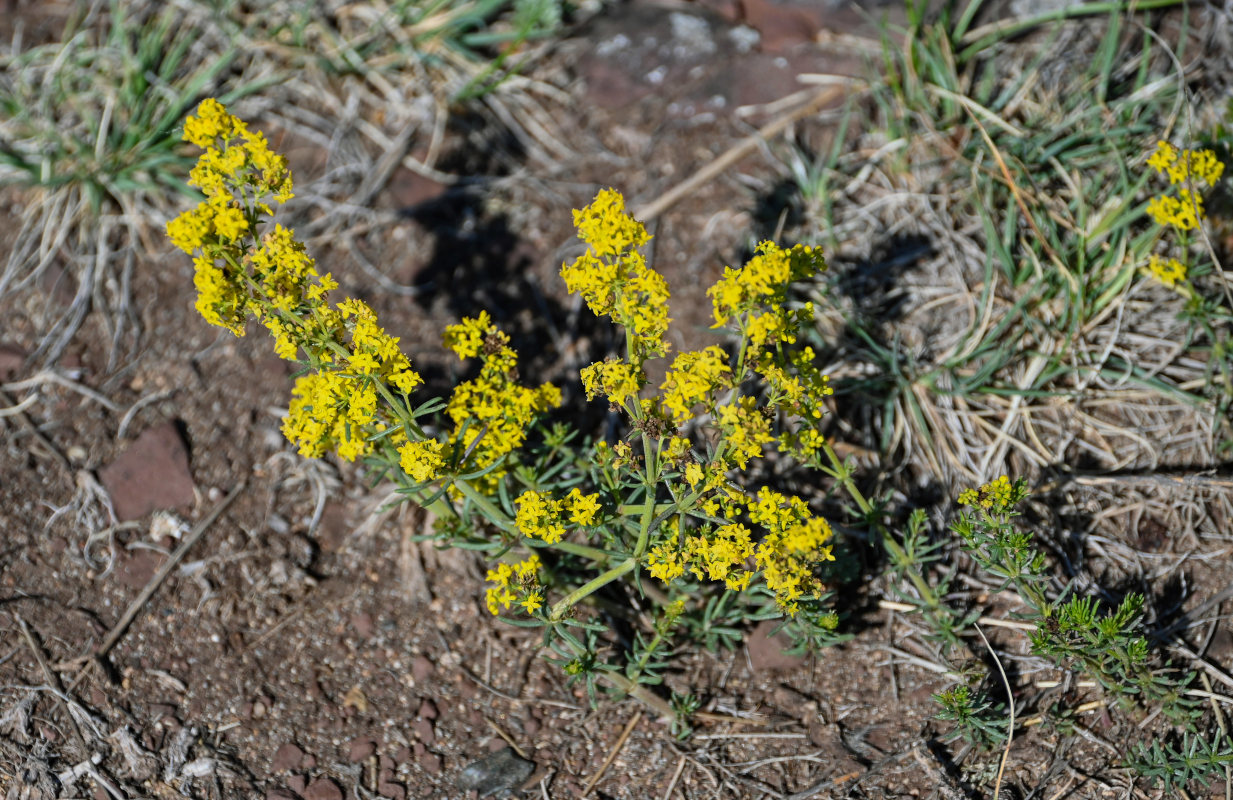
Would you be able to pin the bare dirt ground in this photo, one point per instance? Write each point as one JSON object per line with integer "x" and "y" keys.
{"x": 305, "y": 645}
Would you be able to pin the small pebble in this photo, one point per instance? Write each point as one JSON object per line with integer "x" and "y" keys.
{"x": 501, "y": 770}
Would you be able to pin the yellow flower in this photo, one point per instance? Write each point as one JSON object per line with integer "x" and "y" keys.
{"x": 616, "y": 380}
{"x": 582, "y": 507}
{"x": 1163, "y": 158}
{"x": 422, "y": 460}
{"x": 506, "y": 578}
{"x": 1169, "y": 272}
{"x": 606, "y": 227}
{"x": 493, "y": 413}
{"x": 997, "y": 497}
{"x": 539, "y": 516}
{"x": 533, "y": 601}
{"x": 745, "y": 429}
{"x": 613, "y": 277}
{"x": 694, "y": 378}
{"x": 664, "y": 562}
{"x": 763, "y": 281}
{"x": 211, "y": 122}
{"x": 466, "y": 339}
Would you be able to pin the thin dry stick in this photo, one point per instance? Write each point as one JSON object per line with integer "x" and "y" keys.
{"x": 1010, "y": 727}
{"x": 52, "y": 678}
{"x": 616, "y": 749}
{"x": 676, "y": 776}
{"x": 891, "y": 605}
{"x": 508, "y": 739}
{"x": 120, "y": 627}
{"x": 734, "y": 154}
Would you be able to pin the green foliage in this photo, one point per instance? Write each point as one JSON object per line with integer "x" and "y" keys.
{"x": 977, "y": 719}
{"x": 1178, "y": 763}
{"x": 101, "y": 109}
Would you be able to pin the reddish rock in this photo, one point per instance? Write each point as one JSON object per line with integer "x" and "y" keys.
{"x": 323, "y": 789}
{"x": 423, "y": 729}
{"x": 403, "y": 755}
{"x": 296, "y": 783}
{"x": 421, "y": 668}
{"x": 782, "y": 26}
{"x": 394, "y": 791}
{"x": 361, "y": 749}
{"x": 151, "y": 474}
{"x": 428, "y": 710}
{"x": 431, "y": 762}
{"x": 286, "y": 757}
{"x": 767, "y": 653}
{"x": 136, "y": 568}
{"x": 335, "y": 527}
{"x": 279, "y": 793}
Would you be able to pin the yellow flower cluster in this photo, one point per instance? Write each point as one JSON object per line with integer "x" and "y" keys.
{"x": 803, "y": 391}
{"x": 493, "y": 412}
{"x": 721, "y": 555}
{"x": 763, "y": 284}
{"x": 612, "y": 378}
{"x": 541, "y": 516}
{"x": 237, "y": 165}
{"x": 787, "y": 556}
{"x": 336, "y": 408}
{"x": 997, "y": 496}
{"x": 794, "y": 543}
{"x": 613, "y": 277}
{"x": 515, "y": 583}
{"x": 1167, "y": 271}
{"x": 694, "y": 378}
{"x": 1182, "y": 212}
{"x": 745, "y": 428}
{"x": 1182, "y": 166}
{"x": 422, "y": 460}
{"x": 271, "y": 277}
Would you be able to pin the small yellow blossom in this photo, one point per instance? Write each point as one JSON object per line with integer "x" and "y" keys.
{"x": 613, "y": 277}
{"x": 745, "y": 429}
{"x": 606, "y": 227}
{"x": 1167, "y": 271}
{"x": 614, "y": 379}
{"x": 539, "y": 516}
{"x": 664, "y": 562}
{"x": 422, "y": 460}
{"x": 997, "y": 497}
{"x": 694, "y": 378}
{"x": 512, "y": 583}
{"x": 582, "y": 507}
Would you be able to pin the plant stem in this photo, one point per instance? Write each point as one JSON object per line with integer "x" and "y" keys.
{"x": 590, "y": 587}
{"x": 842, "y": 474}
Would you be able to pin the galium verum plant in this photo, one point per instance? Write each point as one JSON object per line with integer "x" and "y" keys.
{"x": 561, "y": 523}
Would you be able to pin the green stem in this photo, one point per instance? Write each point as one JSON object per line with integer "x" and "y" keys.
{"x": 842, "y": 474}
{"x": 496, "y": 515}
{"x": 593, "y": 553}
{"x": 590, "y": 587}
